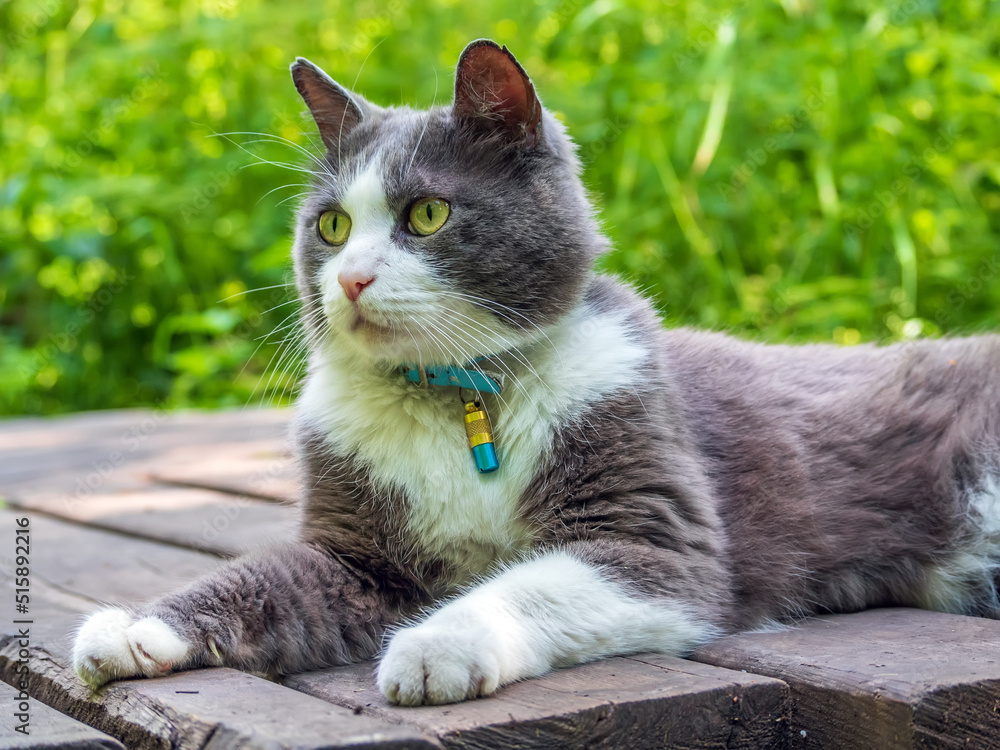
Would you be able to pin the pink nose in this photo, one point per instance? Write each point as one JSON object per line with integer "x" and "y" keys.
{"x": 354, "y": 283}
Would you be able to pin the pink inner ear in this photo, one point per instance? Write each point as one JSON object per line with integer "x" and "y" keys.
{"x": 333, "y": 112}
{"x": 490, "y": 83}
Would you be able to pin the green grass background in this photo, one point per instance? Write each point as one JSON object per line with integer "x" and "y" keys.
{"x": 787, "y": 171}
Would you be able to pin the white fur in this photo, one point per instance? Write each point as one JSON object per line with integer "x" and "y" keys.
{"x": 413, "y": 439}
{"x": 548, "y": 612}
{"x": 111, "y": 644}
{"x": 953, "y": 584}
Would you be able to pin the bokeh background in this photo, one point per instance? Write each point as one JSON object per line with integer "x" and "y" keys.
{"x": 787, "y": 171}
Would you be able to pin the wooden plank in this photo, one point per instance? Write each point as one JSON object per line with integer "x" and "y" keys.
{"x": 102, "y": 567}
{"x": 114, "y": 490}
{"x": 220, "y": 524}
{"x": 645, "y": 702}
{"x": 225, "y": 525}
{"x": 86, "y": 446}
{"x": 25, "y": 723}
{"x": 885, "y": 679}
{"x": 209, "y": 708}
{"x": 72, "y": 568}
{"x": 262, "y": 469}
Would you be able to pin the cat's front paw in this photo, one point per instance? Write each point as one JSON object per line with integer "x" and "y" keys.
{"x": 111, "y": 644}
{"x": 439, "y": 662}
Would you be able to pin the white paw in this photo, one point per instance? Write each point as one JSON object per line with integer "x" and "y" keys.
{"x": 440, "y": 662}
{"x": 111, "y": 645}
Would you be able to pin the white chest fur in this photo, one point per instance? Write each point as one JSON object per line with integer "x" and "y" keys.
{"x": 412, "y": 439}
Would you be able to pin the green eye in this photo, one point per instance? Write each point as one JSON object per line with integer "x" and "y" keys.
{"x": 334, "y": 227}
{"x": 428, "y": 215}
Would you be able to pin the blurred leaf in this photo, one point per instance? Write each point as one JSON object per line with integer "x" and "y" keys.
{"x": 784, "y": 171}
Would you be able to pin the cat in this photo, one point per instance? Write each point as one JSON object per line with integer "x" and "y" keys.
{"x": 640, "y": 489}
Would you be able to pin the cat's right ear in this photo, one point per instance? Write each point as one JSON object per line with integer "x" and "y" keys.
{"x": 335, "y": 109}
{"x": 492, "y": 89}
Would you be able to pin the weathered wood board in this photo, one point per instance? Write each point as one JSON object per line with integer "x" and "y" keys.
{"x": 73, "y": 568}
{"x": 639, "y": 702}
{"x": 884, "y": 679}
{"x": 260, "y": 469}
{"x": 643, "y": 702}
{"x": 102, "y": 469}
{"x": 108, "y": 451}
{"x": 151, "y": 501}
{"x": 218, "y": 523}
{"x": 44, "y": 728}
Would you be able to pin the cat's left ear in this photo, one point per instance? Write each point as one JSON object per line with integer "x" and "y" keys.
{"x": 492, "y": 89}
{"x": 335, "y": 109}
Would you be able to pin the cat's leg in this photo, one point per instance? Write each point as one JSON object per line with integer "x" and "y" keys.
{"x": 290, "y": 609}
{"x": 557, "y": 609}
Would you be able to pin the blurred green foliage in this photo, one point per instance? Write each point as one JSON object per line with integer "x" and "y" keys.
{"x": 787, "y": 171}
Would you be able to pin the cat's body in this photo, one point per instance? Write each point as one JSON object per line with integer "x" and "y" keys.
{"x": 656, "y": 488}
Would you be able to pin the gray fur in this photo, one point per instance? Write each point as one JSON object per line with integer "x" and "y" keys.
{"x": 754, "y": 483}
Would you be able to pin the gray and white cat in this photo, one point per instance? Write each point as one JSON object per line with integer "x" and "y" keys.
{"x": 656, "y": 488}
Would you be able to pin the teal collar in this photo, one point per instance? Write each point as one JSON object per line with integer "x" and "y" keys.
{"x": 473, "y": 379}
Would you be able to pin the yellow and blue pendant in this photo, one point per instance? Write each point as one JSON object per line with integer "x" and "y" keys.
{"x": 480, "y": 433}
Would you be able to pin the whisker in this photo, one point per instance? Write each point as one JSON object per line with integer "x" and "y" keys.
{"x": 424, "y": 128}
{"x": 515, "y": 380}
{"x": 262, "y": 160}
{"x": 258, "y": 289}
{"x": 282, "y": 187}
{"x": 343, "y": 117}
{"x": 485, "y": 304}
{"x": 273, "y": 138}
{"x": 293, "y": 301}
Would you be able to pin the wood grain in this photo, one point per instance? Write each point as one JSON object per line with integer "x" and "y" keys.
{"x": 34, "y": 450}
{"x": 144, "y": 473}
{"x": 221, "y": 524}
{"x": 74, "y": 568}
{"x": 151, "y": 501}
{"x": 892, "y": 678}
{"x": 46, "y": 727}
{"x": 647, "y": 702}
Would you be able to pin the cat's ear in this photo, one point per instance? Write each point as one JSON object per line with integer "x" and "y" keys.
{"x": 335, "y": 109}
{"x": 491, "y": 87}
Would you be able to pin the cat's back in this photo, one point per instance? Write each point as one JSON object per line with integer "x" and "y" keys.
{"x": 788, "y": 385}
{"x": 843, "y": 475}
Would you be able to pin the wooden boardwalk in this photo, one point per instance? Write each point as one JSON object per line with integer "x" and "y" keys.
{"x": 127, "y": 505}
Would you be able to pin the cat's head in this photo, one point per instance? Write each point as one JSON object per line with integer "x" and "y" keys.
{"x": 442, "y": 235}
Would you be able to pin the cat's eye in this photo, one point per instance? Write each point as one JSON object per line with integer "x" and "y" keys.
{"x": 428, "y": 215}
{"x": 334, "y": 227}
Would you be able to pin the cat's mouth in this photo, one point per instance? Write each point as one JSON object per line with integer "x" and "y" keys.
{"x": 367, "y": 327}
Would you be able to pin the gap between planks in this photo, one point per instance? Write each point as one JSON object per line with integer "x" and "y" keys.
{"x": 98, "y": 526}
{"x": 158, "y": 479}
